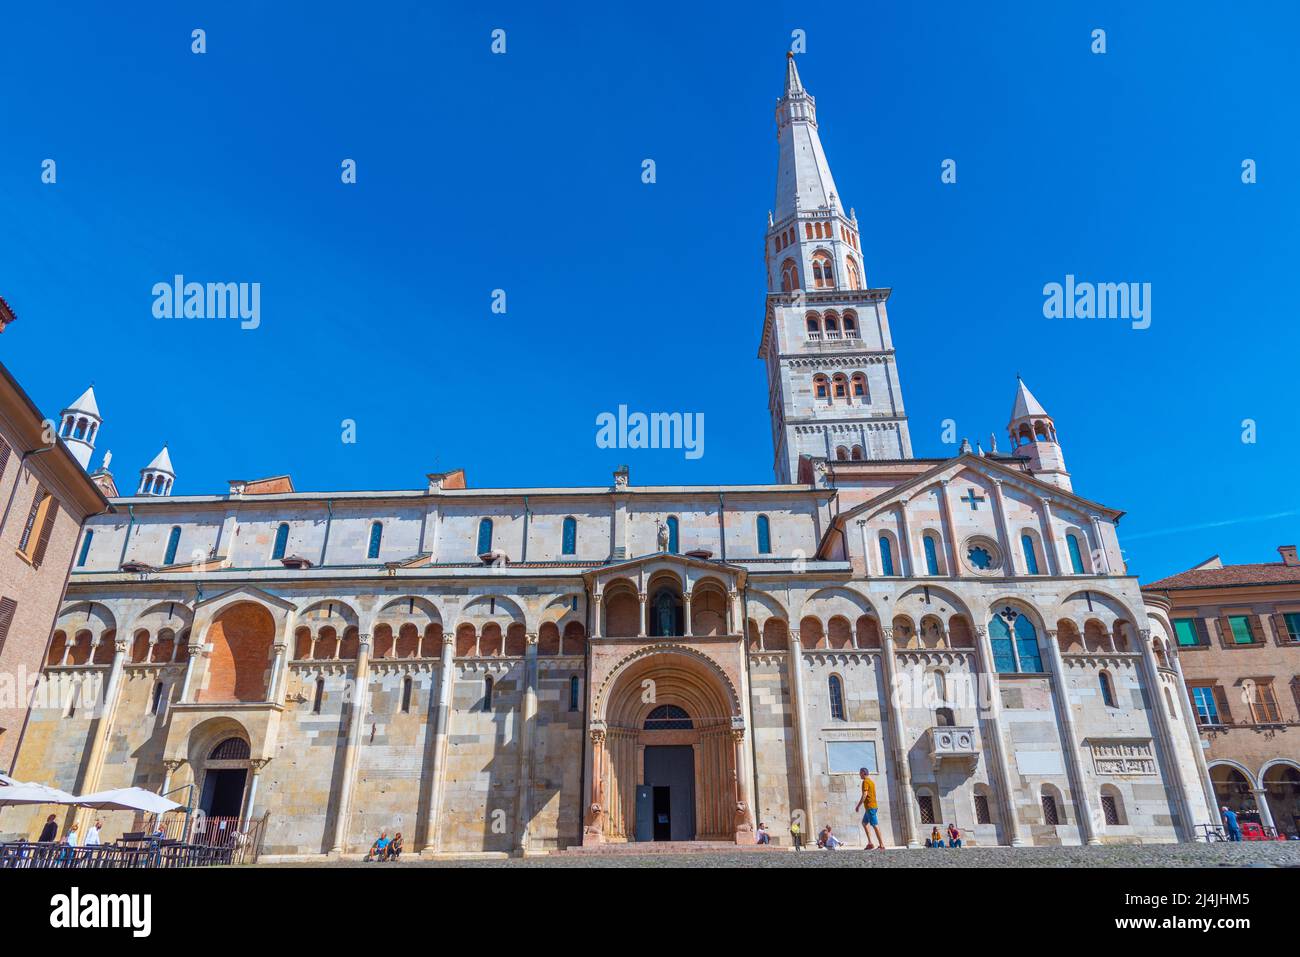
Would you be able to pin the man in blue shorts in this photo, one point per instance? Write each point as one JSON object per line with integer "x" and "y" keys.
{"x": 870, "y": 810}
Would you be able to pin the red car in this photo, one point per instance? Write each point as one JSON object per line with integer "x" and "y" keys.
{"x": 1250, "y": 831}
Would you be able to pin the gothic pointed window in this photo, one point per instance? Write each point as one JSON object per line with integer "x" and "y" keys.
{"x": 484, "y": 536}
{"x": 569, "y": 537}
{"x": 173, "y": 540}
{"x": 672, "y": 535}
{"x": 376, "y": 536}
{"x": 886, "y": 556}
{"x": 764, "y": 535}
{"x": 281, "y": 540}
{"x": 835, "y": 692}
{"x": 1031, "y": 556}
{"x": 931, "y": 555}
{"x": 823, "y": 271}
{"x": 1076, "y": 556}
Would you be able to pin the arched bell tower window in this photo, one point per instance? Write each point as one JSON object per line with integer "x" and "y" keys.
{"x": 823, "y": 271}
{"x": 789, "y": 276}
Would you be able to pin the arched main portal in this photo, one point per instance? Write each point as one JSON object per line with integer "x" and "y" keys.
{"x": 668, "y": 763}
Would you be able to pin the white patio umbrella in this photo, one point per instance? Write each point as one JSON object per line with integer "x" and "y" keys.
{"x": 126, "y": 799}
{"x": 20, "y": 793}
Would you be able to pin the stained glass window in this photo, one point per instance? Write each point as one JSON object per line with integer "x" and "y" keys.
{"x": 1076, "y": 557}
{"x": 1031, "y": 557}
{"x": 886, "y": 557}
{"x": 281, "y": 540}
{"x": 569, "y": 544}
{"x": 931, "y": 556}
{"x": 979, "y": 556}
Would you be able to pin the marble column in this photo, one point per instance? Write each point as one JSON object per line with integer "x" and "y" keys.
{"x": 194, "y": 650}
{"x": 744, "y": 809}
{"x": 441, "y": 729}
{"x": 1101, "y": 546}
{"x": 256, "y": 766}
{"x": 1073, "y": 746}
{"x": 893, "y": 715}
{"x": 908, "y": 545}
{"x": 1194, "y": 737}
{"x": 1052, "y": 541}
{"x": 593, "y": 831}
{"x": 596, "y": 601}
{"x": 526, "y": 733}
{"x": 992, "y": 735}
{"x": 352, "y": 747}
{"x": 1261, "y": 803}
{"x": 643, "y": 600}
{"x": 686, "y": 615}
{"x": 795, "y": 663}
{"x": 279, "y": 655}
{"x": 1004, "y": 536}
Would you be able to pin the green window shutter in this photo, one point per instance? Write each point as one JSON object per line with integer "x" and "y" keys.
{"x": 1185, "y": 629}
{"x": 1241, "y": 633}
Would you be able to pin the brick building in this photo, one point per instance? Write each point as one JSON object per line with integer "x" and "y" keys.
{"x": 45, "y": 495}
{"x": 1237, "y": 630}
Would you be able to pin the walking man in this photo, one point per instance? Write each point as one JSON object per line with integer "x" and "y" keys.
{"x": 870, "y": 810}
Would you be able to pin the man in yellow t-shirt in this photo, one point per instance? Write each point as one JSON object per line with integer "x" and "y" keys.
{"x": 870, "y": 810}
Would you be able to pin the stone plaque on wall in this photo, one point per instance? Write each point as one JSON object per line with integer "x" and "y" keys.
{"x": 1123, "y": 757}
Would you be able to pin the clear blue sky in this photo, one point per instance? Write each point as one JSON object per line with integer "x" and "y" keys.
{"x": 522, "y": 172}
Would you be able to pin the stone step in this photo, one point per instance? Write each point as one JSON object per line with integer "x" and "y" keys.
{"x": 641, "y": 849}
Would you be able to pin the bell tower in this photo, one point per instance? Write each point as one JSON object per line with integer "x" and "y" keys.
{"x": 833, "y": 387}
{"x": 1033, "y": 437}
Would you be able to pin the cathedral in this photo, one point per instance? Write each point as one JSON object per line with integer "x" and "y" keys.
{"x": 517, "y": 671}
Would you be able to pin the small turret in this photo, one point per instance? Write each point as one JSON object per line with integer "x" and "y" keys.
{"x": 79, "y": 426}
{"x": 156, "y": 478}
{"x": 1033, "y": 437}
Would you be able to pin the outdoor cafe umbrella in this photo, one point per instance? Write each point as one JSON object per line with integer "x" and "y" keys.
{"x": 21, "y": 793}
{"x": 125, "y": 799}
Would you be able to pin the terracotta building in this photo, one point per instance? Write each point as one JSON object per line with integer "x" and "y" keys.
{"x": 45, "y": 495}
{"x": 1237, "y": 630}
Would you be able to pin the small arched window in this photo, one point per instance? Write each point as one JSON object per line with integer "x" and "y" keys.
{"x": 850, "y": 326}
{"x": 764, "y": 535}
{"x": 484, "y": 536}
{"x": 406, "y": 694}
{"x": 1076, "y": 556}
{"x": 841, "y": 386}
{"x": 569, "y": 536}
{"x": 156, "y": 702}
{"x": 81, "y": 429}
{"x": 173, "y": 542}
{"x": 931, "y": 555}
{"x": 789, "y": 276}
{"x": 85, "y": 548}
{"x": 672, "y": 535}
{"x": 835, "y": 689}
{"x": 376, "y": 537}
{"x": 886, "y": 556}
{"x": 855, "y": 277}
{"x": 573, "y": 693}
{"x": 320, "y": 696}
{"x": 487, "y": 693}
{"x": 1031, "y": 556}
{"x": 1107, "y": 690}
{"x": 856, "y": 453}
{"x": 821, "y": 386}
{"x": 813, "y": 324}
{"x": 1051, "y": 817}
{"x": 859, "y": 380}
{"x": 281, "y": 540}
{"x": 841, "y": 454}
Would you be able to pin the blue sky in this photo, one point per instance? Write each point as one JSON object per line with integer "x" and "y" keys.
{"x": 522, "y": 172}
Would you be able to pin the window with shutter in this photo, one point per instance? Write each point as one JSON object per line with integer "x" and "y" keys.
{"x": 8, "y": 608}
{"x": 24, "y": 541}
{"x": 47, "y": 529}
{"x": 4, "y": 457}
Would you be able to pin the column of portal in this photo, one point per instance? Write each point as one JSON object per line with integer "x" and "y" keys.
{"x": 893, "y": 714}
{"x": 256, "y": 765}
{"x": 352, "y": 747}
{"x": 1082, "y": 806}
{"x": 992, "y": 735}
{"x": 801, "y": 724}
{"x": 744, "y": 811}
{"x": 642, "y": 597}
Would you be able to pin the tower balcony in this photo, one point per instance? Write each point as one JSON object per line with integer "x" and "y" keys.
{"x": 952, "y": 743}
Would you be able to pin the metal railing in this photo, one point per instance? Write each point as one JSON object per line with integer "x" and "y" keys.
{"x": 163, "y": 853}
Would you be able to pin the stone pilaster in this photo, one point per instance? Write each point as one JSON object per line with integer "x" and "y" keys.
{"x": 348, "y": 775}
{"x": 795, "y": 663}
{"x": 1073, "y": 746}
{"x": 441, "y": 729}
{"x": 893, "y": 716}
{"x": 992, "y": 735}
{"x": 526, "y": 733}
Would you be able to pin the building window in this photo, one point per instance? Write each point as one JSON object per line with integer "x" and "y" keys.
{"x": 1207, "y": 707}
{"x": 886, "y": 557}
{"x": 821, "y": 386}
{"x": 931, "y": 555}
{"x": 926, "y": 805}
{"x": 1291, "y": 622}
{"x": 764, "y": 535}
{"x": 406, "y": 694}
{"x": 487, "y": 693}
{"x": 979, "y": 556}
{"x": 672, "y": 535}
{"x": 835, "y": 688}
{"x": 1190, "y": 632}
{"x": 1109, "y": 810}
{"x": 376, "y": 537}
{"x": 982, "y": 815}
{"x": 1031, "y": 557}
{"x": 1263, "y": 703}
{"x": 668, "y": 717}
{"x": 281, "y": 541}
{"x": 8, "y": 609}
{"x": 1240, "y": 627}
{"x": 1076, "y": 557}
{"x": 85, "y": 548}
{"x": 1015, "y": 646}
{"x": 484, "y": 536}
{"x": 1050, "y": 817}
{"x": 320, "y": 696}
{"x": 157, "y": 698}
{"x": 40, "y": 523}
{"x": 1107, "y": 691}
{"x": 573, "y": 693}
{"x": 173, "y": 542}
{"x": 569, "y": 536}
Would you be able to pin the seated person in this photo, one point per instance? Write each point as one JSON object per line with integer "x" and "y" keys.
{"x": 379, "y": 848}
{"x": 830, "y": 841}
{"x": 954, "y": 836}
{"x": 821, "y": 836}
{"x": 394, "y": 847}
{"x": 763, "y": 836}
{"x": 935, "y": 839}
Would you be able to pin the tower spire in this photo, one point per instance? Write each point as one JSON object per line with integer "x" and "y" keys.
{"x": 792, "y": 82}
{"x": 1033, "y": 437}
{"x": 80, "y": 426}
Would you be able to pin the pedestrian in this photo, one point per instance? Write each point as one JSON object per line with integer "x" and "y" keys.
{"x": 1230, "y": 822}
{"x": 49, "y": 832}
{"x": 870, "y": 810}
{"x": 92, "y": 834}
{"x": 796, "y": 835}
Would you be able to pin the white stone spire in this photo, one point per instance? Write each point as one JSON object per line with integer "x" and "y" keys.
{"x": 156, "y": 478}
{"x": 79, "y": 426}
{"x": 1033, "y": 437}
{"x": 803, "y": 177}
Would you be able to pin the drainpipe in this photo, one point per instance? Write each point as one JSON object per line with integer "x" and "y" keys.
{"x": 329, "y": 520}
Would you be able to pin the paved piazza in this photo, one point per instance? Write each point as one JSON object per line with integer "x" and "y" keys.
{"x": 1276, "y": 854}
